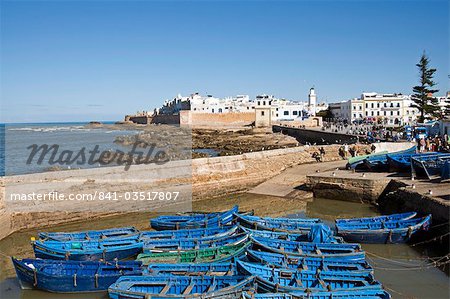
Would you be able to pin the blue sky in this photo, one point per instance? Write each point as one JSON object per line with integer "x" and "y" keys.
{"x": 98, "y": 60}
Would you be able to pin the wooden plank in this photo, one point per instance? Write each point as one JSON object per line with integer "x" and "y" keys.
{"x": 166, "y": 288}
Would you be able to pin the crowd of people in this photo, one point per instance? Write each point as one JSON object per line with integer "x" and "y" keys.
{"x": 434, "y": 144}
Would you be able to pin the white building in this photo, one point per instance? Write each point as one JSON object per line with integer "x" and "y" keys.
{"x": 387, "y": 109}
{"x": 280, "y": 109}
{"x": 207, "y": 104}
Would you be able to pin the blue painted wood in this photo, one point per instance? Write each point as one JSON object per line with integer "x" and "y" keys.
{"x": 72, "y": 276}
{"x": 210, "y": 269}
{"x": 364, "y": 294}
{"x": 195, "y": 221}
{"x": 271, "y": 225}
{"x": 430, "y": 167}
{"x": 108, "y": 249}
{"x": 282, "y": 220}
{"x": 214, "y": 232}
{"x": 402, "y": 162}
{"x": 268, "y": 272}
{"x": 378, "y": 162}
{"x": 307, "y": 249}
{"x": 158, "y": 287}
{"x": 193, "y": 243}
{"x": 392, "y": 217}
{"x": 383, "y": 232}
{"x": 320, "y": 283}
{"x": 285, "y": 235}
{"x": 121, "y": 232}
{"x": 308, "y": 263}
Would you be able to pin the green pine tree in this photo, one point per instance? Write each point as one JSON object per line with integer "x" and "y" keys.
{"x": 423, "y": 97}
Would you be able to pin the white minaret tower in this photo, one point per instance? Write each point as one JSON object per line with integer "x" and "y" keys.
{"x": 312, "y": 97}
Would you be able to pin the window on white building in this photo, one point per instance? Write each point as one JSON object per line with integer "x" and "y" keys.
{"x": 262, "y": 113}
{"x": 286, "y": 112}
{"x": 294, "y": 113}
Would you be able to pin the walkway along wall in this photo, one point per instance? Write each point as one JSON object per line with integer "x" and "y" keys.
{"x": 315, "y": 136}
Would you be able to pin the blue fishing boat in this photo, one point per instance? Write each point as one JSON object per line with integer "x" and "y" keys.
{"x": 121, "y": 232}
{"x": 402, "y": 162}
{"x": 266, "y": 224}
{"x": 309, "y": 249}
{"x": 72, "y": 276}
{"x": 299, "y": 283}
{"x": 208, "y": 255}
{"x": 128, "y": 232}
{"x": 213, "y": 232}
{"x": 209, "y": 269}
{"x": 430, "y": 167}
{"x": 194, "y": 243}
{"x": 358, "y": 161}
{"x": 267, "y": 272}
{"x": 196, "y": 221}
{"x": 108, "y": 249}
{"x": 158, "y": 287}
{"x": 281, "y": 220}
{"x": 322, "y": 235}
{"x": 378, "y": 162}
{"x": 363, "y": 294}
{"x": 308, "y": 263}
{"x": 383, "y": 232}
{"x": 383, "y": 218}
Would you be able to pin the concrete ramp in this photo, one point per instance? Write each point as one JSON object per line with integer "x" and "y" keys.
{"x": 287, "y": 183}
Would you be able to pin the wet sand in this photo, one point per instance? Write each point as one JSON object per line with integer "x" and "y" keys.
{"x": 398, "y": 267}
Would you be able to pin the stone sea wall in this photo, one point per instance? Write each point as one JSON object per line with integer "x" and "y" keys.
{"x": 209, "y": 177}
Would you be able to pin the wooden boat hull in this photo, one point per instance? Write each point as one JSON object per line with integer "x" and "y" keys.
{"x": 325, "y": 251}
{"x": 321, "y": 283}
{"x": 384, "y": 235}
{"x": 30, "y": 273}
{"x": 288, "y": 236}
{"x": 124, "y": 248}
{"x": 377, "y": 161}
{"x": 295, "y": 228}
{"x": 218, "y": 254}
{"x": 214, "y": 232}
{"x": 122, "y": 232}
{"x": 354, "y": 162}
{"x": 365, "y": 294}
{"x": 210, "y": 269}
{"x": 188, "y": 222}
{"x": 393, "y": 217}
{"x": 267, "y": 272}
{"x": 308, "y": 263}
{"x": 159, "y": 287}
{"x": 192, "y": 244}
{"x": 429, "y": 167}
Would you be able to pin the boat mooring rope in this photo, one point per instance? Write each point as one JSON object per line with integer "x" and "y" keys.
{"x": 441, "y": 261}
{"x": 431, "y": 240}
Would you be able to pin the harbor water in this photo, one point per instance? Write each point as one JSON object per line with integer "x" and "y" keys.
{"x": 404, "y": 270}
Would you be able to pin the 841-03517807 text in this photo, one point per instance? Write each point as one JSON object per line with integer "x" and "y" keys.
{"x": 150, "y": 195}
{"x": 97, "y": 195}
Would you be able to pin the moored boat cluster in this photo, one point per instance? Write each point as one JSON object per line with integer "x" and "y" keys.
{"x": 429, "y": 165}
{"x": 218, "y": 255}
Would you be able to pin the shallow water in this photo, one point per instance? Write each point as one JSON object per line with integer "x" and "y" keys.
{"x": 399, "y": 267}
